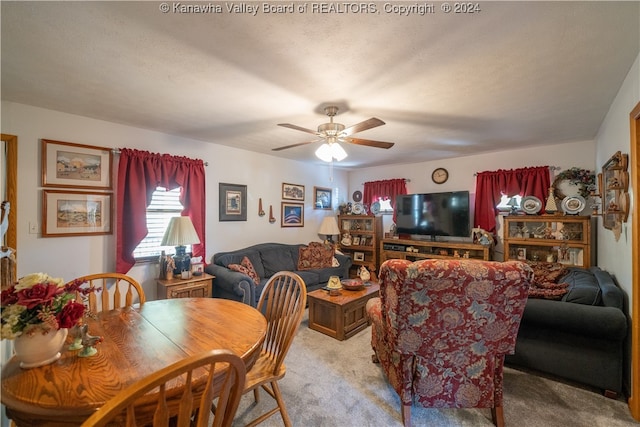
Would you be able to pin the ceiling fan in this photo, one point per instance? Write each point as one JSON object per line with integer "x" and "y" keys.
{"x": 332, "y": 133}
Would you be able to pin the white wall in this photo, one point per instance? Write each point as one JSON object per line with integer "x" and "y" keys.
{"x": 614, "y": 135}
{"x": 70, "y": 257}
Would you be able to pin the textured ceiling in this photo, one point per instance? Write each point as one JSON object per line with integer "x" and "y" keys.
{"x": 514, "y": 74}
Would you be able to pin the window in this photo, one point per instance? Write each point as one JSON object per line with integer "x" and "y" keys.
{"x": 385, "y": 206}
{"x": 164, "y": 206}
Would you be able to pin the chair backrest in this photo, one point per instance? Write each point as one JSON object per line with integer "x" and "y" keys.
{"x": 282, "y": 301}
{"x": 456, "y": 319}
{"x": 227, "y": 385}
{"x": 116, "y": 290}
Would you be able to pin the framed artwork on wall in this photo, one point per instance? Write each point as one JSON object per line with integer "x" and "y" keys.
{"x": 69, "y": 165}
{"x": 292, "y": 214}
{"x": 292, "y": 192}
{"x": 232, "y": 202}
{"x": 322, "y": 198}
{"x": 75, "y": 213}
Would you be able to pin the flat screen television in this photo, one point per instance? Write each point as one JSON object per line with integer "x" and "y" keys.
{"x": 434, "y": 214}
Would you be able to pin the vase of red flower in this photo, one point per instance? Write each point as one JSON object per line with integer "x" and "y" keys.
{"x": 37, "y": 312}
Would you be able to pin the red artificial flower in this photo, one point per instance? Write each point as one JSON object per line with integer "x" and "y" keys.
{"x": 37, "y": 294}
{"x": 70, "y": 314}
{"x": 8, "y": 296}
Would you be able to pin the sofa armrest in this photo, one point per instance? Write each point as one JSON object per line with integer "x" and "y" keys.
{"x": 579, "y": 319}
{"x": 233, "y": 282}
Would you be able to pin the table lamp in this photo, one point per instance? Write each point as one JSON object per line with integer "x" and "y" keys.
{"x": 329, "y": 227}
{"x": 179, "y": 233}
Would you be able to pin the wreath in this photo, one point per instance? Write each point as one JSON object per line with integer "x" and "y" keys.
{"x": 583, "y": 178}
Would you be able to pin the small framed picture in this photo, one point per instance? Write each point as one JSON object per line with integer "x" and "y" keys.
{"x": 292, "y": 214}
{"x": 232, "y": 202}
{"x": 197, "y": 268}
{"x": 322, "y": 198}
{"x": 358, "y": 256}
{"x": 292, "y": 192}
{"x": 521, "y": 254}
{"x": 356, "y": 241}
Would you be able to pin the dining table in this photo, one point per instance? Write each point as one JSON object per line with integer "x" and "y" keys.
{"x": 136, "y": 342}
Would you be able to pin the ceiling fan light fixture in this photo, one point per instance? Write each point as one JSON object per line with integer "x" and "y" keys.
{"x": 329, "y": 152}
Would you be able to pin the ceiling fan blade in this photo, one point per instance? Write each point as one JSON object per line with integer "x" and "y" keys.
{"x": 291, "y": 146}
{"x": 369, "y": 142}
{"x": 295, "y": 127}
{"x": 359, "y": 127}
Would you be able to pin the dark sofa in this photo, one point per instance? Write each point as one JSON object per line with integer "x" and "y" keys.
{"x": 267, "y": 259}
{"x": 580, "y": 337}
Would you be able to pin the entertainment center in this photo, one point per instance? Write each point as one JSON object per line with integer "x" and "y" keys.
{"x": 415, "y": 250}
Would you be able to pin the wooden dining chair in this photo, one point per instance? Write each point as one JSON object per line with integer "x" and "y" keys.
{"x": 116, "y": 290}
{"x": 283, "y": 301}
{"x": 226, "y": 386}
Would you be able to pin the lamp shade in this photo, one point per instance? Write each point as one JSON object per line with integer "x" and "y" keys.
{"x": 328, "y": 152}
{"x": 329, "y": 226}
{"x": 180, "y": 232}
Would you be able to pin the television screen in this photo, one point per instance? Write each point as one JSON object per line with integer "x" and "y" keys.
{"x": 434, "y": 214}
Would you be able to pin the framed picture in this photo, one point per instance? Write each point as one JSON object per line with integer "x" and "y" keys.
{"x": 292, "y": 214}
{"x": 322, "y": 198}
{"x": 197, "y": 268}
{"x": 65, "y": 164}
{"x": 358, "y": 256}
{"x": 292, "y": 192}
{"x": 75, "y": 213}
{"x": 232, "y": 202}
{"x": 521, "y": 254}
{"x": 356, "y": 241}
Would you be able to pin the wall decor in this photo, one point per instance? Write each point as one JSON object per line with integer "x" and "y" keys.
{"x": 574, "y": 181}
{"x": 292, "y": 192}
{"x": 232, "y": 202}
{"x": 322, "y": 198}
{"x": 614, "y": 191}
{"x": 65, "y": 164}
{"x": 75, "y": 213}
{"x": 358, "y": 256}
{"x": 292, "y": 214}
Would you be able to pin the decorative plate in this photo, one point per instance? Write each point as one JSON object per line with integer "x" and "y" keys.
{"x": 357, "y": 209}
{"x": 357, "y": 196}
{"x": 531, "y": 205}
{"x": 573, "y": 205}
{"x": 352, "y": 284}
{"x": 375, "y": 208}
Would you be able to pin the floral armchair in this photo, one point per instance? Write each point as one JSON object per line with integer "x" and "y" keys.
{"x": 441, "y": 329}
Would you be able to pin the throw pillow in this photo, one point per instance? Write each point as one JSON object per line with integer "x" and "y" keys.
{"x": 545, "y": 280}
{"x": 245, "y": 267}
{"x": 315, "y": 255}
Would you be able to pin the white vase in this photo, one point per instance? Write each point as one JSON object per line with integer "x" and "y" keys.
{"x": 40, "y": 348}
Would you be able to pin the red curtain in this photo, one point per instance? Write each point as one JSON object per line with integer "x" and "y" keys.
{"x": 490, "y": 186}
{"x": 382, "y": 190}
{"x": 139, "y": 173}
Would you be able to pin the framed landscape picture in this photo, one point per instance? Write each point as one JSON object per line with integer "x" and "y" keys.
{"x": 232, "y": 202}
{"x": 322, "y": 198}
{"x": 65, "y": 164}
{"x": 75, "y": 213}
{"x": 292, "y": 214}
{"x": 292, "y": 192}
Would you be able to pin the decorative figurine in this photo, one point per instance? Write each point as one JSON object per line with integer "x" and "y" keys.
{"x": 88, "y": 342}
{"x": 364, "y": 274}
{"x": 76, "y": 334}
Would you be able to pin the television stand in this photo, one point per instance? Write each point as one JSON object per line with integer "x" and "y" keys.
{"x": 415, "y": 250}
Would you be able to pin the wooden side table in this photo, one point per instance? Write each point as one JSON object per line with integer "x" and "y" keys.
{"x": 197, "y": 286}
{"x": 341, "y": 316}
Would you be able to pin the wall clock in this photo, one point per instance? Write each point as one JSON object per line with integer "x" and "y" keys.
{"x": 440, "y": 175}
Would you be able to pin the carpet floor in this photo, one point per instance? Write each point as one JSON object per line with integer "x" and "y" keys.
{"x": 334, "y": 383}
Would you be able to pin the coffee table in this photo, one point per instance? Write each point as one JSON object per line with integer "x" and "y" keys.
{"x": 341, "y": 316}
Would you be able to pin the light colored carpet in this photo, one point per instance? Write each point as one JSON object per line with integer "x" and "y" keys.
{"x": 334, "y": 383}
